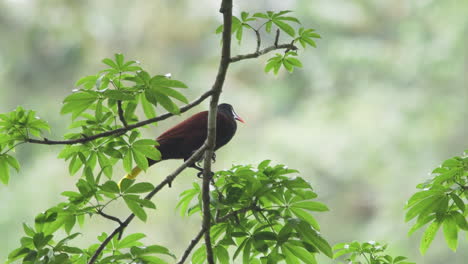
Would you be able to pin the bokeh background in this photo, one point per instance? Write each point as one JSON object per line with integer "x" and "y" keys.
{"x": 379, "y": 104}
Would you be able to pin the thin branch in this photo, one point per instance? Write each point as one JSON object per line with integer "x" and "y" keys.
{"x": 277, "y": 37}
{"x": 257, "y": 35}
{"x": 262, "y": 52}
{"x": 122, "y": 130}
{"x": 226, "y": 10}
{"x": 236, "y": 212}
{"x": 197, "y": 239}
{"x": 121, "y": 113}
{"x": 110, "y": 217}
{"x": 193, "y": 243}
{"x": 119, "y": 230}
{"x": 259, "y": 40}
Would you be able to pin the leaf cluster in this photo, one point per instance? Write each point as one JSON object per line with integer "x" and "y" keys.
{"x": 262, "y": 214}
{"x": 16, "y": 127}
{"x": 370, "y": 252}
{"x": 441, "y": 203}
{"x": 284, "y": 23}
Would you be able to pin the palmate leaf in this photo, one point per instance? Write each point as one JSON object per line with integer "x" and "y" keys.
{"x": 429, "y": 236}
{"x": 78, "y": 102}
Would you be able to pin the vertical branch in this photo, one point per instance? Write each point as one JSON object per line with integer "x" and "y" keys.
{"x": 121, "y": 113}
{"x": 226, "y": 10}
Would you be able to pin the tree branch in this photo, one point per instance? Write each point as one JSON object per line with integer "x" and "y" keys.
{"x": 193, "y": 243}
{"x": 110, "y": 217}
{"x": 122, "y": 130}
{"x": 226, "y": 10}
{"x": 121, "y": 113}
{"x": 119, "y": 230}
{"x": 197, "y": 239}
{"x": 262, "y": 52}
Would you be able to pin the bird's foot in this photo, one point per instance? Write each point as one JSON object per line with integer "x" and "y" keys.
{"x": 200, "y": 174}
{"x": 213, "y": 158}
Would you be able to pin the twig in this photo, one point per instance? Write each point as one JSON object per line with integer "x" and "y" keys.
{"x": 262, "y": 52}
{"x": 257, "y": 35}
{"x": 110, "y": 217}
{"x": 277, "y": 37}
{"x": 236, "y": 212}
{"x": 226, "y": 10}
{"x": 113, "y": 218}
{"x": 121, "y": 130}
{"x": 193, "y": 243}
{"x": 119, "y": 230}
{"x": 259, "y": 40}
{"x": 121, "y": 113}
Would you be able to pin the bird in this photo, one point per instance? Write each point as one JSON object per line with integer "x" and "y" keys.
{"x": 182, "y": 140}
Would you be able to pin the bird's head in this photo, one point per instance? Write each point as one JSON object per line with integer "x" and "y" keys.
{"x": 228, "y": 110}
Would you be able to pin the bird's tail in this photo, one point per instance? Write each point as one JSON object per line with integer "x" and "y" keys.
{"x": 132, "y": 175}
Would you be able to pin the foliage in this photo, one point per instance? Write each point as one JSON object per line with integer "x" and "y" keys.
{"x": 262, "y": 215}
{"x": 441, "y": 203}
{"x": 258, "y": 212}
{"x": 15, "y": 128}
{"x": 282, "y": 21}
{"x": 367, "y": 252}
{"x": 262, "y": 212}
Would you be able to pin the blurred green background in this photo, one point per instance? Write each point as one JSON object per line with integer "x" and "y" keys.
{"x": 379, "y": 104}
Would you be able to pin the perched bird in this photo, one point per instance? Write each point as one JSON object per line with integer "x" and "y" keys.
{"x": 182, "y": 140}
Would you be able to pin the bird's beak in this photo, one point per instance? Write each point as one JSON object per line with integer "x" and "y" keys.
{"x": 237, "y": 117}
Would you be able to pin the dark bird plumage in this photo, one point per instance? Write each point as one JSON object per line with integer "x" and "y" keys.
{"x": 182, "y": 140}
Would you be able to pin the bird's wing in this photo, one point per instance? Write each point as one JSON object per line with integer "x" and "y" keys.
{"x": 193, "y": 126}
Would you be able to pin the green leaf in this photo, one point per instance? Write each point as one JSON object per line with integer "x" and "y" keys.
{"x": 105, "y": 164}
{"x": 311, "y": 206}
{"x": 428, "y": 236}
{"x": 461, "y": 220}
{"x": 127, "y": 161}
{"x": 110, "y": 186}
{"x": 110, "y": 63}
{"x": 304, "y": 215}
{"x": 148, "y": 109}
{"x": 301, "y": 254}
{"x": 246, "y": 252}
{"x": 88, "y": 81}
{"x": 285, "y": 27}
{"x": 40, "y": 240}
{"x": 221, "y": 254}
{"x": 293, "y": 61}
{"x": 288, "y": 18}
{"x": 130, "y": 240}
{"x": 174, "y": 94}
{"x": 28, "y": 230}
{"x": 162, "y": 81}
{"x": 422, "y": 221}
{"x": 141, "y": 187}
{"x": 119, "y": 95}
{"x": 265, "y": 235}
{"x": 140, "y": 159}
{"x": 312, "y": 237}
{"x": 166, "y": 102}
{"x": 4, "y": 171}
{"x": 199, "y": 256}
{"x": 119, "y": 58}
{"x": 424, "y": 206}
{"x": 135, "y": 208}
{"x": 13, "y": 162}
{"x": 78, "y": 102}
{"x": 450, "y": 229}
{"x": 458, "y": 201}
